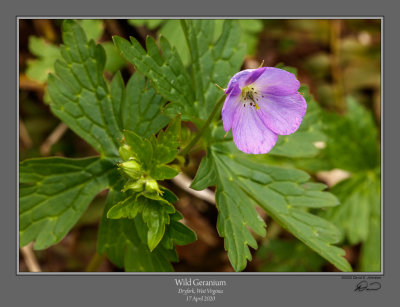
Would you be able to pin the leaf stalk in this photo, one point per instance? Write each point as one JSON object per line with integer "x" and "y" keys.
{"x": 199, "y": 133}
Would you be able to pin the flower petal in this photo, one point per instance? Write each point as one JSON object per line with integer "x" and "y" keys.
{"x": 276, "y": 81}
{"x": 244, "y": 78}
{"x": 254, "y": 74}
{"x": 249, "y": 132}
{"x": 282, "y": 114}
{"x": 232, "y": 102}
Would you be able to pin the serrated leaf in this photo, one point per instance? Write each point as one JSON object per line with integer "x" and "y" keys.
{"x": 127, "y": 208}
{"x": 352, "y": 135}
{"x": 353, "y": 145}
{"x": 54, "y": 192}
{"x": 177, "y": 233}
{"x": 213, "y": 61}
{"x": 162, "y": 172}
{"x": 79, "y": 93}
{"x": 141, "y": 147}
{"x": 166, "y": 71}
{"x": 142, "y": 107}
{"x": 172, "y": 31}
{"x": 359, "y": 215}
{"x": 153, "y": 154}
{"x": 244, "y": 181}
{"x": 206, "y": 175}
{"x": 47, "y": 53}
{"x": 168, "y": 142}
{"x": 121, "y": 241}
{"x": 155, "y": 213}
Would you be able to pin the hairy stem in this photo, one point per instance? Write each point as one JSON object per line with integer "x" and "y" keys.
{"x": 199, "y": 133}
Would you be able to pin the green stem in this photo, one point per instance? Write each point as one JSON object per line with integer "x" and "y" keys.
{"x": 199, "y": 133}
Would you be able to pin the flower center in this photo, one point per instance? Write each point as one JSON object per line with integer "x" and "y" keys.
{"x": 250, "y": 96}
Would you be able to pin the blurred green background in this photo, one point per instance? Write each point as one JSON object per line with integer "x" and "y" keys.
{"x": 340, "y": 60}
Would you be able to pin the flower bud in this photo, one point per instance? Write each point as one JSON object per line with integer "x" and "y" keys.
{"x": 132, "y": 168}
{"x": 136, "y": 186}
{"x": 152, "y": 186}
{"x": 125, "y": 152}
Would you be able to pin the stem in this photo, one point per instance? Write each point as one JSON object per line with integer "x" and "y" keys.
{"x": 199, "y": 133}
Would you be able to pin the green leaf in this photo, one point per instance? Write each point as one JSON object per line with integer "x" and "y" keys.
{"x": 127, "y": 208}
{"x": 162, "y": 172}
{"x": 54, "y": 193}
{"x": 141, "y": 147}
{"x": 156, "y": 217}
{"x": 359, "y": 216}
{"x": 46, "y": 53}
{"x": 93, "y": 28}
{"x": 288, "y": 256}
{"x": 168, "y": 141}
{"x": 173, "y": 32}
{"x": 251, "y": 29}
{"x": 301, "y": 144}
{"x": 177, "y": 233}
{"x": 121, "y": 241}
{"x": 155, "y": 214}
{"x": 166, "y": 71}
{"x": 353, "y": 146}
{"x": 370, "y": 260}
{"x": 206, "y": 175}
{"x": 212, "y": 61}
{"x": 353, "y": 135}
{"x": 142, "y": 107}
{"x": 149, "y": 23}
{"x": 243, "y": 181}
{"x": 352, "y": 217}
{"x": 79, "y": 93}
{"x": 155, "y": 153}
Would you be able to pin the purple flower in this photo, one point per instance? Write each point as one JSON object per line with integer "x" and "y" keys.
{"x": 260, "y": 104}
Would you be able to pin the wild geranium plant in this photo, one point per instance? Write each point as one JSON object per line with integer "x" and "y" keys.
{"x": 136, "y": 129}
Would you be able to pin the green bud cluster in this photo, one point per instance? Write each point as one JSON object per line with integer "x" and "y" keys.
{"x": 138, "y": 181}
{"x": 145, "y": 185}
{"x": 131, "y": 168}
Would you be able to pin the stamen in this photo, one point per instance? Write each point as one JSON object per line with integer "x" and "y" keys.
{"x": 223, "y": 89}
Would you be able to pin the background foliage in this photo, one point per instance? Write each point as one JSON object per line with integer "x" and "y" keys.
{"x": 339, "y": 59}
